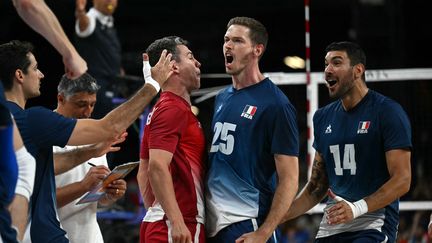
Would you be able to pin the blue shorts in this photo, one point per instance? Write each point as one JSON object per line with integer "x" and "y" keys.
{"x": 363, "y": 236}
{"x": 230, "y": 233}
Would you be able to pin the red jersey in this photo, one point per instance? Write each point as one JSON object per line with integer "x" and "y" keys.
{"x": 171, "y": 126}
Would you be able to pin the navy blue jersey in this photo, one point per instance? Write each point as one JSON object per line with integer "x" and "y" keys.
{"x": 5, "y": 117}
{"x": 353, "y": 145}
{"x": 249, "y": 126}
{"x": 8, "y": 179}
{"x": 41, "y": 129}
{"x": 8, "y": 170}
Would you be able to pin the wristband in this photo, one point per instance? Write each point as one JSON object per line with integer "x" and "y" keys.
{"x": 361, "y": 208}
{"x": 358, "y": 208}
{"x": 147, "y": 76}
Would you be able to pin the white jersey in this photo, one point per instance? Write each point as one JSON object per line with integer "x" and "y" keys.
{"x": 79, "y": 221}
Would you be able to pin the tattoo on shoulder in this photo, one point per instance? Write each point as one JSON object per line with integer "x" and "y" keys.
{"x": 318, "y": 183}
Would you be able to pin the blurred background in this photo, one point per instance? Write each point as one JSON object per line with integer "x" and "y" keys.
{"x": 393, "y": 33}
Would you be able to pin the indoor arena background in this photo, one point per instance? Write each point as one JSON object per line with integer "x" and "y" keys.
{"x": 395, "y": 34}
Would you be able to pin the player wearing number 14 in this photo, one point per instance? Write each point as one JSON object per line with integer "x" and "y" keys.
{"x": 363, "y": 143}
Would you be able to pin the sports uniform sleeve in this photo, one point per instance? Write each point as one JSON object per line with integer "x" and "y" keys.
{"x": 395, "y": 126}
{"x": 26, "y": 173}
{"x": 50, "y": 128}
{"x": 8, "y": 166}
{"x": 285, "y": 132}
{"x": 166, "y": 127}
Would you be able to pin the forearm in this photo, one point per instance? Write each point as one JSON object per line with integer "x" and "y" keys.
{"x": 124, "y": 115}
{"x": 390, "y": 191}
{"x": 66, "y": 160}
{"x": 41, "y": 19}
{"x": 314, "y": 191}
{"x": 303, "y": 203}
{"x": 144, "y": 185}
{"x": 283, "y": 197}
{"x": 82, "y": 19}
{"x": 399, "y": 168}
{"x": 18, "y": 210}
{"x": 69, "y": 193}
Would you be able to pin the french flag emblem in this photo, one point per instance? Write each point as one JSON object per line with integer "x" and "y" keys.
{"x": 363, "y": 127}
{"x": 249, "y": 111}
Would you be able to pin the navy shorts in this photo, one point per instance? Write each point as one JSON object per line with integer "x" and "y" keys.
{"x": 363, "y": 236}
{"x": 230, "y": 233}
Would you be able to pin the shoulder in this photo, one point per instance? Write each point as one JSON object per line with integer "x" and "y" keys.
{"x": 327, "y": 109}
{"x": 170, "y": 105}
{"x": 384, "y": 103}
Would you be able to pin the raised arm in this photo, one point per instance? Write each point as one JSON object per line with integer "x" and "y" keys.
{"x": 287, "y": 170}
{"x": 88, "y": 131}
{"x": 82, "y": 19}
{"x": 41, "y": 19}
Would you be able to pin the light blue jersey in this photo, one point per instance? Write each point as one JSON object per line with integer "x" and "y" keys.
{"x": 353, "y": 145}
{"x": 250, "y": 126}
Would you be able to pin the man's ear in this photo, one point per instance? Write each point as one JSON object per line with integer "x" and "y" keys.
{"x": 19, "y": 75}
{"x": 175, "y": 68}
{"x": 359, "y": 69}
{"x": 60, "y": 98}
{"x": 258, "y": 50}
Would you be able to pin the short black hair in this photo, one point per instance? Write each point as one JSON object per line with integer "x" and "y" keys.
{"x": 354, "y": 52}
{"x": 13, "y": 56}
{"x": 168, "y": 43}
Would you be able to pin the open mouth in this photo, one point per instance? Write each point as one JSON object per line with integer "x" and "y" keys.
{"x": 229, "y": 59}
{"x": 331, "y": 82}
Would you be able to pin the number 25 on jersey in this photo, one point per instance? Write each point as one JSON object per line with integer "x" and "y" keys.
{"x": 223, "y": 140}
{"x": 349, "y": 162}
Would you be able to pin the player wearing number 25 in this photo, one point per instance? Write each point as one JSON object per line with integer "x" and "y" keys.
{"x": 253, "y": 174}
{"x": 363, "y": 143}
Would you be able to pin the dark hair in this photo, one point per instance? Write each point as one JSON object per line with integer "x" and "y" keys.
{"x": 354, "y": 51}
{"x": 258, "y": 32}
{"x": 13, "y": 56}
{"x": 85, "y": 83}
{"x": 169, "y": 43}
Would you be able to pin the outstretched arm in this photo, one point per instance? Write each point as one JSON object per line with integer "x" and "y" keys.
{"x": 287, "y": 172}
{"x": 66, "y": 160}
{"x": 88, "y": 131}
{"x": 41, "y": 19}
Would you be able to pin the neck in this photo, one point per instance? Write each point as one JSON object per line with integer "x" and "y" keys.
{"x": 355, "y": 95}
{"x": 249, "y": 76}
{"x": 17, "y": 96}
{"x": 178, "y": 90}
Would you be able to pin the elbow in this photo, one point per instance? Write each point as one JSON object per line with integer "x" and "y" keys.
{"x": 405, "y": 184}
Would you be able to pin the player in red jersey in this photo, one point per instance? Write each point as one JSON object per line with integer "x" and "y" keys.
{"x": 171, "y": 171}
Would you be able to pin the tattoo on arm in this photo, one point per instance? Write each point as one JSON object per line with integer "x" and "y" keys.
{"x": 318, "y": 183}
